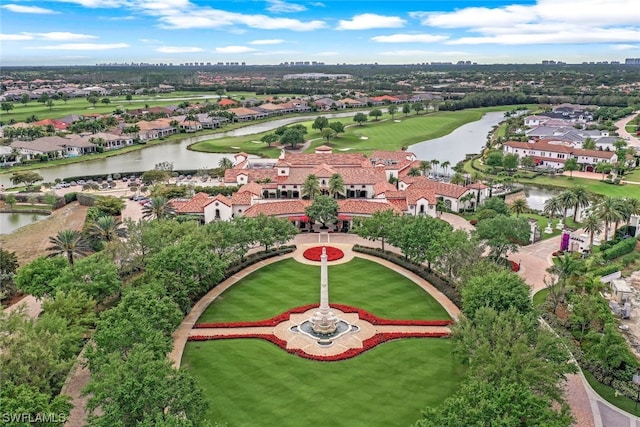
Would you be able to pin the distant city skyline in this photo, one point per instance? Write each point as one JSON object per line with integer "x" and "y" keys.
{"x": 87, "y": 32}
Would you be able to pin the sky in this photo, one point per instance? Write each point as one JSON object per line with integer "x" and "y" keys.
{"x": 87, "y": 32}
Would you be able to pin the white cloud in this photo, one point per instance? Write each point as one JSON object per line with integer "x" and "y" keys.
{"x": 417, "y": 52}
{"x": 52, "y": 36}
{"x": 625, "y": 47}
{"x": 150, "y": 41}
{"x": 266, "y": 42}
{"x": 235, "y": 49}
{"x": 15, "y": 37}
{"x": 409, "y": 38}
{"x": 568, "y": 36}
{"x": 179, "y": 49}
{"x": 83, "y": 46}
{"x": 328, "y": 53}
{"x": 62, "y": 36}
{"x": 367, "y": 21}
{"x": 583, "y": 12}
{"x": 28, "y": 9}
{"x": 279, "y": 6}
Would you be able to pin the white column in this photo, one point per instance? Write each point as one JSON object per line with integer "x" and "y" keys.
{"x": 324, "y": 281}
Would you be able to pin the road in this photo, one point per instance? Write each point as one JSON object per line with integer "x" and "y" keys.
{"x": 621, "y": 124}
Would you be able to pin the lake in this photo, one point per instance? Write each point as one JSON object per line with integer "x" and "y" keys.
{"x": 469, "y": 138}
{"x": 9, "y": 222}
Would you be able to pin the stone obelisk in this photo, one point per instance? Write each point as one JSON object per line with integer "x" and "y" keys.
{"x": 324, "y": 321}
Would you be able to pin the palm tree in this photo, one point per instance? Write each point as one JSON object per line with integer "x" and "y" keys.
{"x": 225, "y": 163}
{"x": 158, "y": 207}
{"x": 582, "y": 197}
{"x": 609, "y": 211}
{"x": 567, "y": 200}
{"x": 458, "y": 179}
{"x": 592, "y": 225}
{"x": 336, "y": 185}
{"x": 552, "y": 206}
{"x": 631, "y": 206}
{"x": 414, "y": 172}
{"x": 445, "y": 165}
{"x": 519, "y": 206}
{"x": 425, "y": 165}
{"x": 435, "y": 163}
{"x": 70, "y": 243}
{"x": 310, "y": 187}
{"x": 466, "y": 199}
{"x": 107, "y": 228}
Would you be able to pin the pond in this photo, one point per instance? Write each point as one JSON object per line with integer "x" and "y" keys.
{"x": 469, "y": 138}
{"x": 11, "y": 221}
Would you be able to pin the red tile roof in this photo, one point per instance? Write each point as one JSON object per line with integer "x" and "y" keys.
{"x": 364, "y": 207}
{"x": 278, "y": 208}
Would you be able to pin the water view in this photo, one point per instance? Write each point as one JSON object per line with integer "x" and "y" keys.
{"x": 469, "y": 138}
{"x": 9, "y": 222}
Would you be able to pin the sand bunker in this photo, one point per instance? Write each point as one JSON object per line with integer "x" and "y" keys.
{"x": 345, "y": 149}
{"x": 364, "y": 137}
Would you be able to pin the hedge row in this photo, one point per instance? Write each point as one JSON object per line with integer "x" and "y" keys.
{"x": 621, "y": 248}
{"x": 438, "y": 282}
{"x": 607, "y": 269}
{"x": 255, "y": 258}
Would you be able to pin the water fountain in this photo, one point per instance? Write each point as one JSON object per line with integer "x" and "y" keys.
{"x": 324, "y": 326}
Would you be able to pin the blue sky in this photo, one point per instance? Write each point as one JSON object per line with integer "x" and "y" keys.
{"x": 69, "y": 32}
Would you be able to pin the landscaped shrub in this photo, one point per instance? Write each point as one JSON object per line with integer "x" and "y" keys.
{"x": 85, "y": 199}
{"x": 438, "y": 282}
{"x": 257, "y": 257}
{"x": 473, "y": 222}
{"x": 70, "y": 197}
{"x": 607, "y": 269}
{"x": 622, "y": 248}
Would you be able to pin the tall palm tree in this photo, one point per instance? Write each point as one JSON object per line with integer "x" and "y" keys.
{"x": 336, "y": 185}
{"x": 631, "y": 206}
{"x": 70, "y": 243}
{"x": 107, "y": 228}
{"x": 310, "y": 187}
{"x": 551, "y": 207}
{"x": 519, "y": 206}
{"x": 158, "y": 207}
{"x": 592, "y": 225}
{"x": 445, "y": 165}
{"x": 435, "y": 163}
{"x": 609, "y": 211}
{"x": 583, "y": 198}
{"x": 425, "y": 165}
{"x": 567, "y": 201}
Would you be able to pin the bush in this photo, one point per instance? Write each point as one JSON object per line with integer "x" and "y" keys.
{"x": 438, "y": 282}
{"x": 622, "y": 248}
{"x": 607, "y": 269}
{"x": 255, "y": 258}
{"x": 473, "y": 222}
{"x": 70, "y": 197}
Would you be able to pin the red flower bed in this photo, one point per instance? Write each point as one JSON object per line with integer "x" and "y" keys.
{"x": 313, "y": 254}
{"x": 362, "y": 314}
{"x": 367, "y": 344}
{"x": 515, "y": 267}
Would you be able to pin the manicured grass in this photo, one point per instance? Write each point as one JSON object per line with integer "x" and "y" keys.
{"x": 540, "y": 297}
{"x": 286, "y": 284}
{"x": 543, "y": 221}
{"x": 599, "y": 187}
{"x": 382, "y": 134}
{"x": 251, "y": 382}
{"x": 609, "y": 394}
{"x": 81, "y": 106}
{"x": 254, "y": 383}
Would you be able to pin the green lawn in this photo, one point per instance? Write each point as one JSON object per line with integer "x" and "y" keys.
{"x": 286, "y": 284}
{"x": 250, "y": 382}
{"x": 382, "y": 134}
{"x": 540, "y": 297}
{"x": 81, "y": 106}
{"x": 254, "y": 383}
{"x": 599, "y": 187}
{"x": 609, "y": 394}
{"x": 543, "y": 221}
